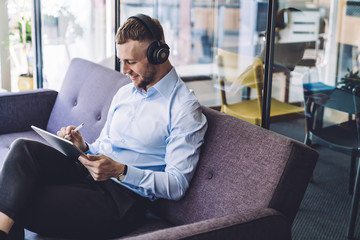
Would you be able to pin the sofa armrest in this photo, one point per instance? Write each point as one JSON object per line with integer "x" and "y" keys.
{"x": 257, "y": 224}
{"x": 20, "y": 110}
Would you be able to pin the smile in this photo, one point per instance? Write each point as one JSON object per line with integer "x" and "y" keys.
{"x": 133, "y": 77}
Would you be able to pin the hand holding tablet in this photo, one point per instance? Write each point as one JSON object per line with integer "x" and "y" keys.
{"x": 63, "y": 145}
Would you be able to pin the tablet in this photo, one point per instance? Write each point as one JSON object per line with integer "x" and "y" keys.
{"x": 66, "y": 147}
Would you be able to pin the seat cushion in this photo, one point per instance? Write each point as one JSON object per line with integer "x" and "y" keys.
{"x": 7, "y": 139}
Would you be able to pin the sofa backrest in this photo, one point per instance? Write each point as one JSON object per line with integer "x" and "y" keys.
{"x": 242, "y": 167}
{"x": 85, "y": 97}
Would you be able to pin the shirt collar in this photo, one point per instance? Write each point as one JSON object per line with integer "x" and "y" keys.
{"x": 164, "y": 86}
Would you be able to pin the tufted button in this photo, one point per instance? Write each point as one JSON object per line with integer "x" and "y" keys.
{"x": 209, "y": 175}
{"x": 99, "y": 117}
{"x": 75, "y": 103}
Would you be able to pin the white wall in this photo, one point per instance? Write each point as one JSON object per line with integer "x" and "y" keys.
{"x": 5, "y": 79}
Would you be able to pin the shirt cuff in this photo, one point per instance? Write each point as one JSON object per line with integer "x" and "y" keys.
{"x": 91, "y": 149}
{"x": 133, "y": 176}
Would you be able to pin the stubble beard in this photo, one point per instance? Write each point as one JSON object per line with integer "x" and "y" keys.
{"x": 148, "y": 78}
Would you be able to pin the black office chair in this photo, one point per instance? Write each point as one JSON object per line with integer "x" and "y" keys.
{"x": 339, "y": 136}
{"x": 356, "y": 194}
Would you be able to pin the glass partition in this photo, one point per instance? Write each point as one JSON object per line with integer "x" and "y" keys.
{"x": 70, "y": 29}
{"x": 195, "y": 30}
{"x": 315, "y": 44}
{"x": 300, "y": 57}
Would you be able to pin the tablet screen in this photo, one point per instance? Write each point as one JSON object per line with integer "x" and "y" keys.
{"x": 66, "y": 147}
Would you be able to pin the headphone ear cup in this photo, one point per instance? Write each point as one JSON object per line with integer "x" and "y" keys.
{"x": 162, "y": 53}
{"x": 157, "y": 52}
{"x": 151, "y": 52}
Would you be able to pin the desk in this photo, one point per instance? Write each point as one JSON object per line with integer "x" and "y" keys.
{"x": 331, "y": 97}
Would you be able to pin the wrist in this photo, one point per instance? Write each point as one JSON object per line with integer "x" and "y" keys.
{"x": 125, "y": 169}
{"x": 121, "y": 176}
{"x": 85, "y": 147}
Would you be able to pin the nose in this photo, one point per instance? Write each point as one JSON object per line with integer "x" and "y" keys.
{"x": 125, "y": 68}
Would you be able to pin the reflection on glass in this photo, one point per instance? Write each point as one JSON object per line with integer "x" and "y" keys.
{"x": 297, "y": 30}
{"x": 330, "y": 122}
{"x": 231, "y": 69}
{"x": 331, "y": 94}
{"x": 194, "y": 30}
{"x": 299, "y": 54}
{"x": 327, "y": 42}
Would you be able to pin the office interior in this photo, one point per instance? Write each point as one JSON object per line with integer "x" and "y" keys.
{"x": 301, "y": 46}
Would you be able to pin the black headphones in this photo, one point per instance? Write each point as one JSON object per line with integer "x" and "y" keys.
{"x": 157, "y": 52}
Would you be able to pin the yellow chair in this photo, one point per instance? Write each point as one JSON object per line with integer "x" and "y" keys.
{"x": 252, "y": 77}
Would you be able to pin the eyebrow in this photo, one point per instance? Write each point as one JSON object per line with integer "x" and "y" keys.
{"x": 130, "y": 59}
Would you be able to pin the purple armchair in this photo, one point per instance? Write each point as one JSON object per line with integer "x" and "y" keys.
{"x": 249, "y": 182}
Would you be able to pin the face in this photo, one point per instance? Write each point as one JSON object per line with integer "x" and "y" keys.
{"x": 135, "y": 64}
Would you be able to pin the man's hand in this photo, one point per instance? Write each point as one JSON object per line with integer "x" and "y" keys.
{"x": 75, "y": 137}
{"x": 101, "y": 167}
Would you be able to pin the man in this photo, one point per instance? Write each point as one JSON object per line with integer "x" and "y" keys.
{"x": 148, "y": 149}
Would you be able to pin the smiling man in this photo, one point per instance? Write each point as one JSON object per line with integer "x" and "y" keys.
{"x": 143, "y": 55}
{"x": 148, "y": 149}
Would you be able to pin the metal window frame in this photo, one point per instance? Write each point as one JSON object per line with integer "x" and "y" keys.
{"x": 117, "y": 25}
{"x": 269, "y": 62}
{"x": 38, "y": 43}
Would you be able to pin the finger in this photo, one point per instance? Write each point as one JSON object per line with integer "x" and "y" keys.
{"x": 69, "y": 129}
{"x": 76, "y": 135}
{"x": 83, "y": 156}
{"x": 83, "y": 159}
{"x": 96, "y": 177}
{"x": 95, "y": 173}
{"x": 86, "y": 162}
{"x": 94, "y": 157}
{"x": 61, "y": 132}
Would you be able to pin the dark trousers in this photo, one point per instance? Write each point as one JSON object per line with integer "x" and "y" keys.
{"x": 46, "y": 192}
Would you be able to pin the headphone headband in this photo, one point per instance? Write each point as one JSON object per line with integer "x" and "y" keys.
{"x": 148, "y": 23}
{"x": 157, "y": 52}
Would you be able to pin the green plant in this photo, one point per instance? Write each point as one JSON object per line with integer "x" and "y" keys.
{"x": 24, "y": 28}
{"x": 352, "y": 75}
{"x": 22, "y": 32}
{"x": 26, "y": 40}
{"x": 350, "y": 80}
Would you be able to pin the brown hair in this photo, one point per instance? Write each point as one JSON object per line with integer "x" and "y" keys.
{"x": 133, "y": 29}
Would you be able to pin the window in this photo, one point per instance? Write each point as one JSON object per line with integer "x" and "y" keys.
{"x": 19, "y": 45}
{"x": 72, "y": 29}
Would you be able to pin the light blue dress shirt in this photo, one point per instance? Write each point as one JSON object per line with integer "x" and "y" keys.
{"x": 157, "y": 134}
